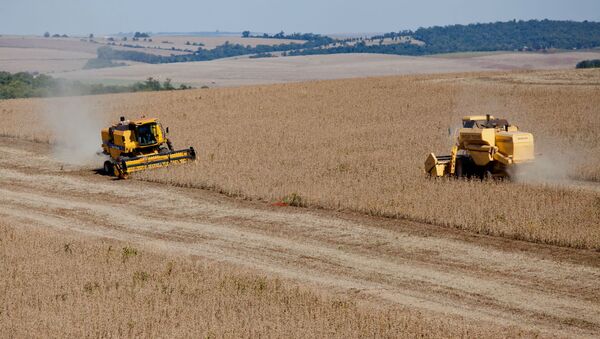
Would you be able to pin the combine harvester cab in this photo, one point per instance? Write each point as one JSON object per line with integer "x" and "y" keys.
{"x": 139, "y": 145}
{"x": 486, "y": 147}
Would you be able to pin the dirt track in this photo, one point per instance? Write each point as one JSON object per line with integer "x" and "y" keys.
{"x": 513, "y": 283}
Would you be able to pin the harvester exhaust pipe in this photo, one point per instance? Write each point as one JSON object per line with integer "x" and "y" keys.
{"x": 487, "y": 117}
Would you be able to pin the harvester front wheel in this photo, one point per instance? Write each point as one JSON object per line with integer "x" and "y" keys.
{"x": 109, "y": 169}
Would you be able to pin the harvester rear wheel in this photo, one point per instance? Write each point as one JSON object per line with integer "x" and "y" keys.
{"x": 109, "y": 168}
{"x": 458, "y": 168}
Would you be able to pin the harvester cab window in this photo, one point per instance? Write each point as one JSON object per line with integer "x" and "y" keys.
{"x": 146, "y": 135}
{"x": 468, "y": 123}
{"x": 493, "y": 123}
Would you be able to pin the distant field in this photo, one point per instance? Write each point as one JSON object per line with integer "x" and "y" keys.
{"x": 161, "y": 44}
{"x": 244, "y": 71}
{"x": 41, "y": 60}
{"x": 66, "y": 57}
{"x": 179, "y": 41}
{"x": 63, "y": 44}
{"x": 48, "y": 55}
{"x": 74, "y": 44}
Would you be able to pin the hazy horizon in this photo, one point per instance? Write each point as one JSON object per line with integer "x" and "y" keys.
{"x": 34, "y": 17}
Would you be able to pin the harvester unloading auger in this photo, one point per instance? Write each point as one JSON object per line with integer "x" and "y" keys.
{"x": 486, "y": 147}
{"x": 138, "y": 145}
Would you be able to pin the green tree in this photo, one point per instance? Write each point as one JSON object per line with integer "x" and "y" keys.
{"x": 167, "y": 85}
{"x": 589, "y": 64}
{"x": 245, "y": 34}
{"x": 25, "y": 85}
{"x": 152, "y": 84}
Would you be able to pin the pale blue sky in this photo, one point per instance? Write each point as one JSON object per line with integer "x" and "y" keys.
{"x": 319, "y": 16}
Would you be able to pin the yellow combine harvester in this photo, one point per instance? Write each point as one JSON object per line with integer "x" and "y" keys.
{"x": 138, "y": 145}
{"x": 486, "y": 147}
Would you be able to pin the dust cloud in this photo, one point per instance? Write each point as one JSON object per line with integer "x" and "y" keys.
{"x": 548, "y": 167}
{"x": 555, "y": 164}
{"x": 75, "y": 124}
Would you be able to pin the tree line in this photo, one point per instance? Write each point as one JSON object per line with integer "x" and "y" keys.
{"x": 225, "y": 50}
{"x": 27, "y": 85}
{"x": 511, "y": 35}
{"x": 532, "y": 35}
{"x": 595, "y": 63}
{"x": 293, "y": 36}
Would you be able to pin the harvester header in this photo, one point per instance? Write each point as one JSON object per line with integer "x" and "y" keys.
{"x": 137, "y": 145}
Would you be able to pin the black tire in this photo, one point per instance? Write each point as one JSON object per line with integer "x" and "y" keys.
{"x": 459, "y": 168}
{"x": 486, "y": 175}
{"x": 109, "y": 168}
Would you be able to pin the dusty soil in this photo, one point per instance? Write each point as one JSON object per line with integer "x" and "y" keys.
{"x": 419, "y": 266}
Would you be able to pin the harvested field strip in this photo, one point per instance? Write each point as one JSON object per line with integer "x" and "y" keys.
{"x": 60, "y": 284}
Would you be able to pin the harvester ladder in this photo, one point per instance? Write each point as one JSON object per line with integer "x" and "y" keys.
{"x": 453, "y": 154}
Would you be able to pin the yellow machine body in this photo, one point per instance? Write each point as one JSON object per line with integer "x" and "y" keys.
{"x": 485, "y": 145}
{"x": 138, "y": 145}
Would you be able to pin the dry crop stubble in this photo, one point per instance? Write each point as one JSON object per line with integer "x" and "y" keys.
{"x": 359, "y": 145}
{"x": 60, "y": 284}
